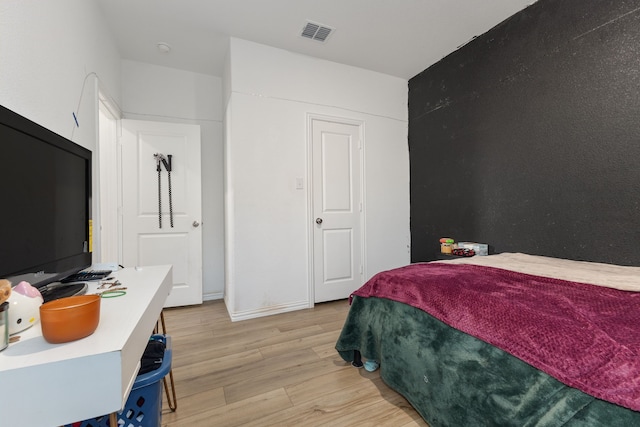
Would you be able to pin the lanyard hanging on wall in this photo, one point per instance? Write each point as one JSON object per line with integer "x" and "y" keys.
{"x": 161, "y": 159}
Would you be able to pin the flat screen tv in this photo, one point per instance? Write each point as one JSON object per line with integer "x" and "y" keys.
{"x": 45, "y": 203}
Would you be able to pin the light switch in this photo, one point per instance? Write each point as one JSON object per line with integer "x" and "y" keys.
{"x": 299, "y": 183}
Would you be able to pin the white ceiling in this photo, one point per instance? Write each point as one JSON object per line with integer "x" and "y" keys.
{"x": 396, "y": 37}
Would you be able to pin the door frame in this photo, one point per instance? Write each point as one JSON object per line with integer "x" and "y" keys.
{"x": 310, "y": 219}
{"x": 112, "y": 216}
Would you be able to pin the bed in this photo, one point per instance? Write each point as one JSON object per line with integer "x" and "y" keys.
{"x": 504, "y": 340}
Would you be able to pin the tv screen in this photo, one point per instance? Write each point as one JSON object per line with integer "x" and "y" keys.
{"x": 45, "y": 196}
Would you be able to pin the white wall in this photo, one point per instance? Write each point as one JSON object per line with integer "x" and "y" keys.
{"x": 53, "y": 57}
{"x": 151, "y": 92}
{"x": 272, "y": 92}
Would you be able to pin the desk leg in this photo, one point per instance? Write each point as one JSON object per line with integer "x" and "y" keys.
{"x": 113, "y": 419}
{"x": 173, "y": 403}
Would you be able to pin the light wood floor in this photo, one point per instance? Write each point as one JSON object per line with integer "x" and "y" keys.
{"x": 279, "y": 370}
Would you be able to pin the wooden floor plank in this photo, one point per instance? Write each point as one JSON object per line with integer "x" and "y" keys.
{"x": 279, "y": 370}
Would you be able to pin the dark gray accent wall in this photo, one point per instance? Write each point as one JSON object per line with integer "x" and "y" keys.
{"x": 528, "y": 137}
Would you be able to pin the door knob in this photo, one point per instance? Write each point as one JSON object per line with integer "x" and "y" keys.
{"x": 196, "y": 224}
{"x": 318, "y": 221}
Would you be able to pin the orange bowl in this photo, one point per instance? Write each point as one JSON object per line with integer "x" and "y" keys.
{"x": 69, "y": 319}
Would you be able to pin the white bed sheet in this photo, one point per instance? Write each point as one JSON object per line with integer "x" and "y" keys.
{"x": 620, "y": 277}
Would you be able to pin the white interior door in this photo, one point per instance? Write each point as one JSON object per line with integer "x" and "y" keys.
{"x": 148, "y": 206}
{"x": 337, "y": 205}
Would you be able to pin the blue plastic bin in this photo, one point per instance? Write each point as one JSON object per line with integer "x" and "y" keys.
{"x": 144, "y": 404}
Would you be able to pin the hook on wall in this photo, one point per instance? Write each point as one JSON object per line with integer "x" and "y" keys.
{"x": 161, "y": 159}
{"x": 166, "y": 161}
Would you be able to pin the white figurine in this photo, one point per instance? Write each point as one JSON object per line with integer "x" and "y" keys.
{"x": 24, "y": 307}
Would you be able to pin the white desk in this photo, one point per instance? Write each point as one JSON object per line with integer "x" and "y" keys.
{"x": 48, "y": 385}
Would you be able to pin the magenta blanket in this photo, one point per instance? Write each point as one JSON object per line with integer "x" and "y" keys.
{"x": 586, "y": 336}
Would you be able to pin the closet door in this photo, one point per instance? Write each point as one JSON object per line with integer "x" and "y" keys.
{"x": 337, "y": 209}
{"x": 161, "y": 208}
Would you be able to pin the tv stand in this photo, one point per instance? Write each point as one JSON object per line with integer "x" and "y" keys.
{"x": 84, "y": 379}
{"x": 57, "y": 290}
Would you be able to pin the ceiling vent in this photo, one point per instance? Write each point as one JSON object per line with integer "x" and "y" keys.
{"x": 316, "y": 32}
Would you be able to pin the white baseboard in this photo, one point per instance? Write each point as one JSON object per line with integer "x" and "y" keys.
{"x": 267, "y": 311}
{"x": 212, "y": 296}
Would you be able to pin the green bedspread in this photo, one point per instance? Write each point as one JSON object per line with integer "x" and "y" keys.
{"x": 454, "y": 379}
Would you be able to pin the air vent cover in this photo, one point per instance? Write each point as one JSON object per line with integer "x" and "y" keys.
{"x": 316, "y": 32}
